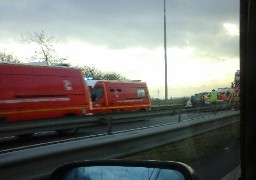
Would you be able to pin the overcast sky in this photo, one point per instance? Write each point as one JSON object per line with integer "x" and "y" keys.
{"x": 126, "y": 36}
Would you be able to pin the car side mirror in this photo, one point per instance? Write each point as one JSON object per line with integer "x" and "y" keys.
{"x": 124, "y": 169}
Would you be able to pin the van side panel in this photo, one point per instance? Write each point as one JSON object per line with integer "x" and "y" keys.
{"x": 122, "y": 97}
{"x": 34, "y": 92}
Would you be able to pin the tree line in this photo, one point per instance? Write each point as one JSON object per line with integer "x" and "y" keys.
{"x": 45, "y": 52}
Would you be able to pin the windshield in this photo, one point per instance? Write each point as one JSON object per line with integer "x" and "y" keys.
{"x": 124, "y": 66}
{"x": 97, "y": 93}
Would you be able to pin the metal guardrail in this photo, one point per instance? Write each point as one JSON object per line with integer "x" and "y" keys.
{"x": 219, "y": 106}
{"x": 28, "y": 127}
{"x": 39, "y": 162}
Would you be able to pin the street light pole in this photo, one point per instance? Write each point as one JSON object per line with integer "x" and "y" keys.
{"x": 165, "y": 58}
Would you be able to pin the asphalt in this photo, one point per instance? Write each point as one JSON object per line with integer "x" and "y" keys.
{"x": 218, "y": 165}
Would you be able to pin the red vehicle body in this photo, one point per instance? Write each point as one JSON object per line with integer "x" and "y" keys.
{"x": 35, "y": 92}
{"x": 118, "y": 96}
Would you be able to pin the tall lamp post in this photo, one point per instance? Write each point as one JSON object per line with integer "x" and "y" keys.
{"x": 165, "y": 58}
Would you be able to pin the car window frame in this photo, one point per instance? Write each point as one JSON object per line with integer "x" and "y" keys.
{"x": 248, "y": 89}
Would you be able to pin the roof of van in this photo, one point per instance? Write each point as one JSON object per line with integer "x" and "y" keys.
{"x": 93, "y": 82}
{"x": 9, "y": 68}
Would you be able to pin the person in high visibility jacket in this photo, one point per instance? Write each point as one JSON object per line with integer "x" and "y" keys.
{"x": 214, "y": 96}
{"x": 213, "y": 99}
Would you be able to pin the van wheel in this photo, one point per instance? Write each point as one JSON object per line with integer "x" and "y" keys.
{"x": 2, "y": 119}
{"x": 70, "y": 130}
{"x": 67, "y": 131}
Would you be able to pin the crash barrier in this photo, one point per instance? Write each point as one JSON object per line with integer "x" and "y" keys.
{"x": 65, "y": 123}
{"x": 219, "y": 105}
{"x": 40, "y": 161}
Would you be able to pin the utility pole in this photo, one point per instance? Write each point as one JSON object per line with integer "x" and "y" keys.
{"x": 165, "y": 58}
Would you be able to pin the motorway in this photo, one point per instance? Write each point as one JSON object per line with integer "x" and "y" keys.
{"x": 43, "y": 137}
{"x": 217, "y": 165}
{"x": 212, "y": 166}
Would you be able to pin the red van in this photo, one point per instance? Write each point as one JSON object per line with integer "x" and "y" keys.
{"x": 118, "y": 96}
{"x": 30, "y": 92}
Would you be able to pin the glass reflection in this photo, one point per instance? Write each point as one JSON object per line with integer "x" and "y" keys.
{"x": 117, "y": 172}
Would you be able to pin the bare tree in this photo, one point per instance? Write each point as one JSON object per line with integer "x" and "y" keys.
{"x": 91, "y": 72}
{"x": 45, "y": 47}
{"x": 113, "y": 76}
{"x": 97, "y": 74}
{"x": 9, "y": 58}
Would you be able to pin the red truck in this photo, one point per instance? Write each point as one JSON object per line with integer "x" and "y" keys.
{"x": 29, "y": 92}
{"x": 118, "y": 96}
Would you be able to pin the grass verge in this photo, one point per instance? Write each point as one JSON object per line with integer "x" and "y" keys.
{"x": 196, "y": 147}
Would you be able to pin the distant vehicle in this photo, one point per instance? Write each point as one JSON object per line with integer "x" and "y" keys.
{"x": 236, "y": 82}
{"x": 236, "y": 86}
{"x": 224, "y": 94}
{"x": 118, "y": 96}
{"x": 30, "y": 92}
{"x": 200, "y": 99}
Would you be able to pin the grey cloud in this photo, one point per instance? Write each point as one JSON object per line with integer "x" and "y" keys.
{"x": 122, "y": 23}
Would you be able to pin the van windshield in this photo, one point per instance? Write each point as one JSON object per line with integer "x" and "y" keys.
{"x": 97, "y": 93}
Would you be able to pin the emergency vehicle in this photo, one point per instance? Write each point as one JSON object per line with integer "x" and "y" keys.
{"x": 236, "y": 86}
{"x": 224, "y": 94}
{"x": 118, "y": 96}
{"x": 200, "y": 99}
{"x": 31, "y": 92}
